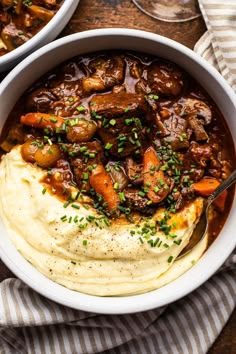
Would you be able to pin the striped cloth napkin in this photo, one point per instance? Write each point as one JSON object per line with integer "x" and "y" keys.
{"x": 29, "y": 323}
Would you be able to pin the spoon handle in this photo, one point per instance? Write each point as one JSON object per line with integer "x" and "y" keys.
{"x": 222, "y": 187}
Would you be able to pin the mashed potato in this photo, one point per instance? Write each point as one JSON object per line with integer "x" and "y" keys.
{"x": 75, "y": 246}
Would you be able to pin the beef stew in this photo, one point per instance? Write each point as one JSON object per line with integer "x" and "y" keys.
{"x": 133, "y": 132}
{"x": 20, "y": 20}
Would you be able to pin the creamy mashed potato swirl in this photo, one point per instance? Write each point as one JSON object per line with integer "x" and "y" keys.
{"x": 90, "y": 256}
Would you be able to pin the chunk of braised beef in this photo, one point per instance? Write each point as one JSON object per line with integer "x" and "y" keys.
{"x": 68, "y": 106}
{"x": 165, "y": 79}
{"x": 186, "y": 194}
{"x": 138, "y": 203}
{"x": 195, "y": 161}
{"x": 134, "y": 171}
{"x": 118, "y": 89}
{"x": 157, "y": 122}
{"x": 104, "y": 72}
{"x": 178, "y": 134}
{"x": 197, "y": 128}
{"x": 64, "y": 168}
{"x": 196, "y": 174}
{"x": 124, "y": 142}
{"x": 63, "y": 89}
{"x": 82, "y": 158}
{"x": 80, "y": 170}
{"x": 161, "y": 128}
{"x": 199, "y": 154}
{"x": 13, "y": 37}
{"x": 141, "y": 86}
{"x": 226, "y": 169}
{"x": 90, "y": 151}
{"x": 134, "y": 66}
{"x": 126, "y": 137}
{"x": 67, "y": 82}
{"x": 39, "y": 100}
{"x": 15, "y": 135}
{"x": 118, "y": 104}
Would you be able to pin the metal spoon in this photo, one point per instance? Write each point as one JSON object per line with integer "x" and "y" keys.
{"x": 202, "y": 225}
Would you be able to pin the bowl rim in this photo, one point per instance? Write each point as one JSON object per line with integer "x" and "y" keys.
{"x": 194, "y": 277}
{"x": 38, "y": 37}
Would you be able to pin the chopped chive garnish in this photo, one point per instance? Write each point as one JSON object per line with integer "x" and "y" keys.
{"x": 108, "y": 146}
{"x": 116, "y": 185}
{"x": 75, "y": 206}
{"x": 52, "y": 119}
{"x": 85, "y": 175}
{"x": 121, "y": 196}
{"x": 112, "y": 122}
{"x": 80, "y": 109}
{"x": 65, "y": 205}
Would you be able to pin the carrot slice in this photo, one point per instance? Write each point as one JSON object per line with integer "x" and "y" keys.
{"x": 206, "y": 186}
{"x": 102, "y": 183}
{"x": 42, "y": 120}
{"x": 153, "y": 177}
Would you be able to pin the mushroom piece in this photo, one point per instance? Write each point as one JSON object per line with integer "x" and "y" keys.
{"x": 134, "y": 171}
{"x": 199, "y": 108}
{"x": 117, "y": 174}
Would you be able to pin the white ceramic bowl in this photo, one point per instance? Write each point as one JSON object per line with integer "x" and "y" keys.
{"x": 51, "y": 55}
{"x": 46, "y": 35}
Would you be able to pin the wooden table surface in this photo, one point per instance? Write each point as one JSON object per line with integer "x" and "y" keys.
{"x": 123, "y": 13}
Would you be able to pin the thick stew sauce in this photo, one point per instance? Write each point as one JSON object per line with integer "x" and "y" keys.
{"x": 132, "y": 132}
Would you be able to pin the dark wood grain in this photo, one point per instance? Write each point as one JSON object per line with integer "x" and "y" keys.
{"x": 123, "y": 13}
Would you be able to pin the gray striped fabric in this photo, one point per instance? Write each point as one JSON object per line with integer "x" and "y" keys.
{"x": 30, "y": 323}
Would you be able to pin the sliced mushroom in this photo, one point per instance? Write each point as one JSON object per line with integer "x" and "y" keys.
{"x": 117, "y": 173}
{"x": 199, "y": 108}
{"x": 134, "y": 171}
